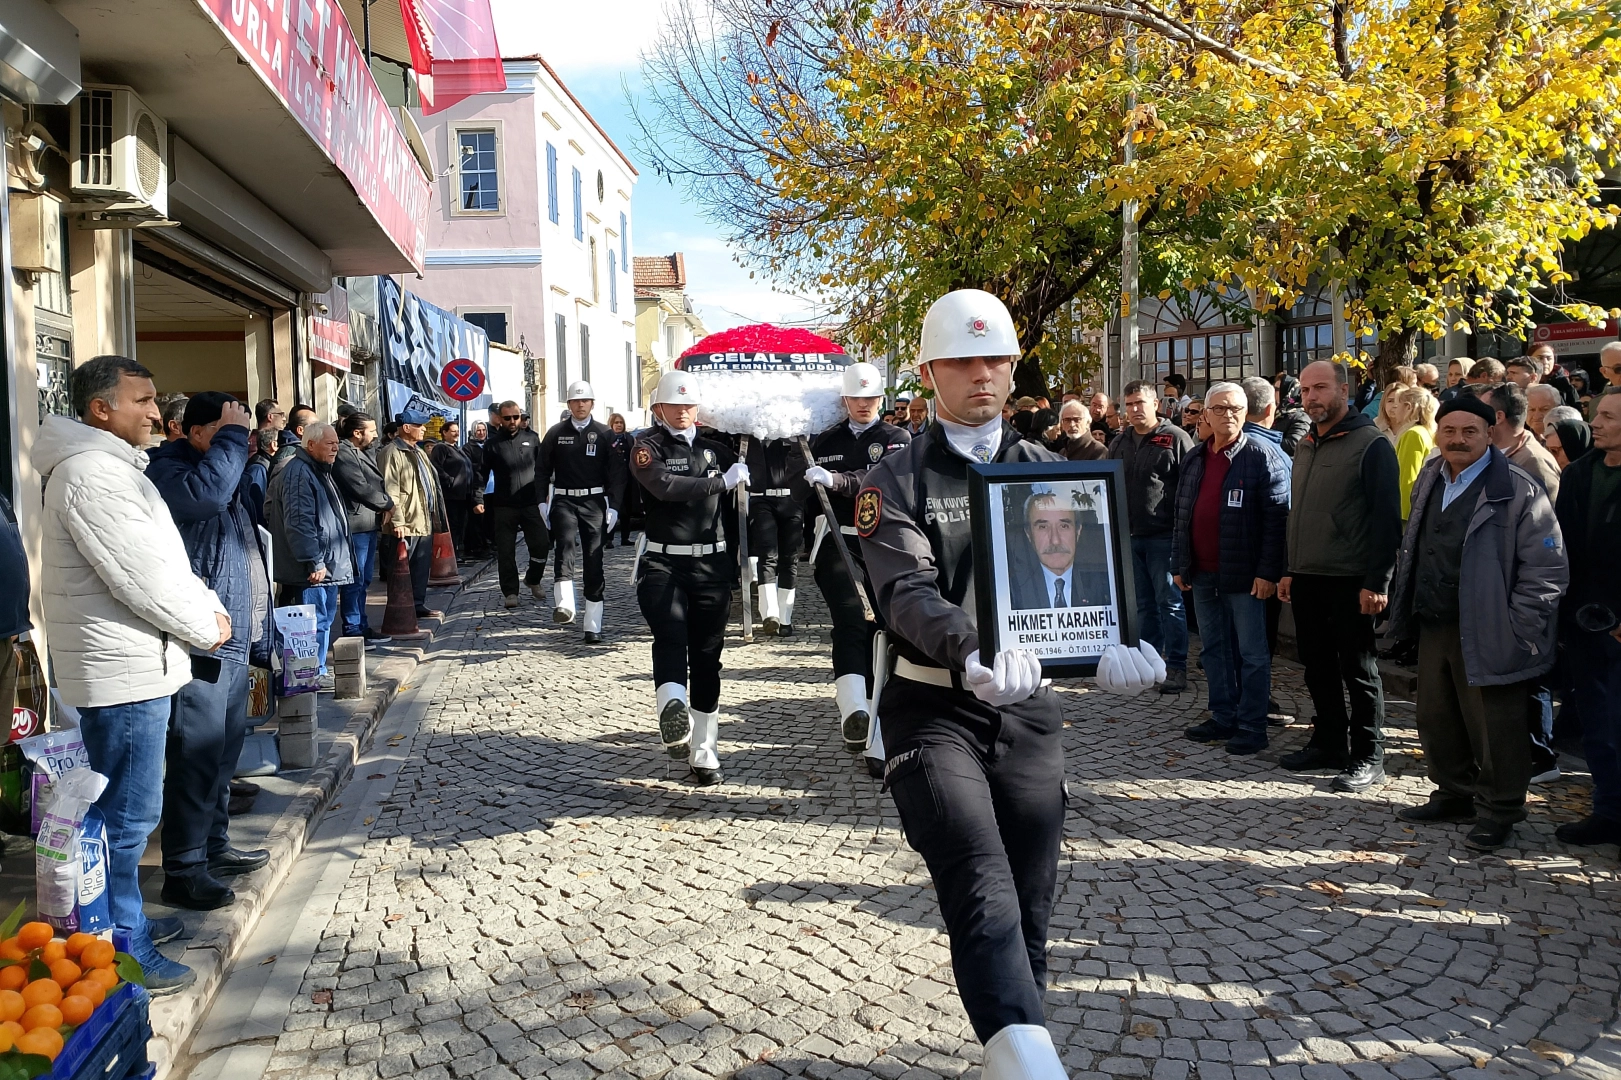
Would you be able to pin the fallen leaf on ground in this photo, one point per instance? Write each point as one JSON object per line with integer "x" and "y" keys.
{"x": 1145, "y": 1030}
{"x": 1327, "y": 888}
{"x": 1544, "y": 1049}
{"x": 1432, "y": 901}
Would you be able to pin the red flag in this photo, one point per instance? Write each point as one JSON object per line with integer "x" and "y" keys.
{"x": 453, "y": 50}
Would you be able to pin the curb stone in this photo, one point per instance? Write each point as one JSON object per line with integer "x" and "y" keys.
{"x": 215, "y": 947}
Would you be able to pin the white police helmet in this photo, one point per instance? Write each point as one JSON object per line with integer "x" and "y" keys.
{"x": 580, "y": 390}
{"x": 967, "y": 322}
{"x": 863, "y": 380}
{"x": 677, "y": 388}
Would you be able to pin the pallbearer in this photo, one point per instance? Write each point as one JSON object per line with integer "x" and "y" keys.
{"x": 684, "y": 573}
{"x": 588, "y": 488}
{"x": 844, "y": 453}
{"x": 777, "y": 493}
{"x": 975, "y": 758}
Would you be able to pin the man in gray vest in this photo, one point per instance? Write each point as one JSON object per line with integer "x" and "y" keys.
{"x": 1344, "y": 525}
{"x": 1483, "y": 551}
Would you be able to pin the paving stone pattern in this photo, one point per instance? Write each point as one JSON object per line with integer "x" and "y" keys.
{"x": 542, "y": 896}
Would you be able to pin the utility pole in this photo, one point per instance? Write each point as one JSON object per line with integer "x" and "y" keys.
{"x": 1130, "y": 363}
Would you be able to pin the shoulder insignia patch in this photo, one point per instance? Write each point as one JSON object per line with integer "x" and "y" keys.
{"x": 869, "y": 506}
{"x": 644, "y": 457}
{"x": 875, "y": 451}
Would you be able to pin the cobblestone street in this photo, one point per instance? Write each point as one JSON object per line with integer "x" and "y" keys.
{"x": 541, "y": 896}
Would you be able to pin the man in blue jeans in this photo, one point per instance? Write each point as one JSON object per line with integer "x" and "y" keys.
{"x": 1152, "y": 450}
{"x": 121, "y": 608}
{"x": 360, "y": 482}
{"x": 1230, "y": 549}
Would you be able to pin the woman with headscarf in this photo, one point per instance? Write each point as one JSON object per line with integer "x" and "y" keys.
{"x": 1567, "y": 440}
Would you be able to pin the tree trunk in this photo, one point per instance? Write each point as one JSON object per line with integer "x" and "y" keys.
{"x": 1028, "y": 378}
{"x": 1393, "y": 353}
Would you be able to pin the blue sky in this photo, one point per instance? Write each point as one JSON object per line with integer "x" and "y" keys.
{"x": 595, "y": 46}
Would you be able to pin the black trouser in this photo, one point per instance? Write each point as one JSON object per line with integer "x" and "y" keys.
{"x": 418, "y": 557}
{"x": 508, "y": 521}
{"x": 776, "y": 529}
{"x": 458, "y": 511}
{"x": 1473, "y": 736}
{"x": 686, "y": 602}
{"x": 207, "y": 723}
{"x": 981, "y": 797}
{"x": 584, "y": 517}
{"x": 1336, "y": 645}
{"x": 852, "y": 633}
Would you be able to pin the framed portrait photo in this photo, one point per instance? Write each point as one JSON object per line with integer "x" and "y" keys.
{"x": 1052, "y": 571}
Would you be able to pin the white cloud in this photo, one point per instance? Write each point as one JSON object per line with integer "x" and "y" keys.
{"x": 576, "y": 38}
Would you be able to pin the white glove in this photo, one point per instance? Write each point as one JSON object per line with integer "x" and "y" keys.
{"x": 546, "y": 513}
{"x": 1014, "y": 675}
{"x": 1130, "y": 671}
{"x": 818, "y": 475}
{"x": 613, "y": 519}
{"x": 737, "y": 474}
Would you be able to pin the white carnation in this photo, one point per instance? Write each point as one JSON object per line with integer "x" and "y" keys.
{"x": 771, "y": 405}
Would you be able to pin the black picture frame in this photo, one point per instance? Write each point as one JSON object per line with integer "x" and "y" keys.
{"x": 1089, "y": 627}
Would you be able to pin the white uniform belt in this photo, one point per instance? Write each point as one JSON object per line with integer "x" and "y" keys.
{"x": 777, "y": 491}
{"x": 849, "y": 530}
{"x": 934, "y": 676}
{"x": 685, "y": 549}
{"x": 578, "y": 492}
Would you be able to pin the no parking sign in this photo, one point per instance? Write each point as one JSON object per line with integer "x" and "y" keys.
{"x": 462, "y": 380}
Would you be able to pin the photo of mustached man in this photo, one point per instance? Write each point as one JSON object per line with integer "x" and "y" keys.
{"x": 1049, "y": 574}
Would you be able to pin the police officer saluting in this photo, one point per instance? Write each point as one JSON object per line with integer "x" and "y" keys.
{"x": 684, "y": 574}
{"x": 844, "y": 453}
{"x": 975, "y": 758}
{"x": 588, "y": 487}
{"x": 776, "y": 527}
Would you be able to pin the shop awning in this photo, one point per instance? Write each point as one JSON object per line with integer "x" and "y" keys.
{"x": 453, "y": 50}
{"x": 278, "y": 97}
{"x": 39, "y": 54}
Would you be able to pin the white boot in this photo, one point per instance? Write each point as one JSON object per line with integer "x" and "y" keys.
{"x": 875, "y": 749}
{"x": 850, "y": 691}
{"x": 787, "y": 598}
{"x": 754, "y": 568}
{"x": 563, "y": 601}
{"x": 1022, "y": 1052}
{"x": 703, "y": 758}
{"x": 675, "y": 719}
{"x": 593, "y": 620}
{"x": 770, "y": 612}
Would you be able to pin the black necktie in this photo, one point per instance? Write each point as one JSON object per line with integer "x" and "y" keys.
{"x": 1058, "y": 593}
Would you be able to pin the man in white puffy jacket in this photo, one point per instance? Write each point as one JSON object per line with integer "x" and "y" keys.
{"x": 122, "y": 609}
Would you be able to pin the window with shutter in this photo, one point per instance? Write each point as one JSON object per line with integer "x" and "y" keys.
{"x": 562, "y": 351}
{"x": 624, "y": 240}
{"x": 613, "y": 284}
{"x": 632, "y": 383}
{"x": 553, "y": 213}
{"x": 585, "y": 352}
{"x": 579, "y": 207}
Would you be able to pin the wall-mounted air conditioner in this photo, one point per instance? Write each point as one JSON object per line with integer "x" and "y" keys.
{"x": 120, "y": 152}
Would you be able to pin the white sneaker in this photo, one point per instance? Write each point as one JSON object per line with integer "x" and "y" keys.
{"x": 1022, "y": 1052}
{"x": 511, "y": 600}
{"x": 1546, "y": 777}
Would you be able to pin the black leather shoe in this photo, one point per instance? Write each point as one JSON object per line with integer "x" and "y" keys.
{"x": 855, "y": 731}
{"x": 770, "y": 625}
{"x": 1209, "y": 731}
{"x": 1591, "y": 831}
{"x": 1176, "y": 681}
{"x": 1360, "y": 776}
{"x": 875, "y": 767}
{"x": 200, "y": 892}
{"x": 593, "y": 638}
{"x": 1244, "y": 745}
{"x": 235, "y": 861}
{"x": 785, "y": 630}
{"x": 706, "y": 777}
{"x": 675, "y": 728}
{"x": 1311, "y": 759}
{"x": 1488, "y": 835}
{"x": 1438, "y": 811}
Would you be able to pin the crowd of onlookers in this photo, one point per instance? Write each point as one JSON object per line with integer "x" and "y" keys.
{"x": 1461, "y": 516}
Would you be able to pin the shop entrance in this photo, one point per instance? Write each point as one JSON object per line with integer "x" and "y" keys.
{"x": 191, "y": 339}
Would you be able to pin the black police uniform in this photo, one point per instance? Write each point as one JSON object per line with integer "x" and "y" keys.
{"x": 514, "y": 504}
{"x": 587, "y": 478}
{"x": 684, "y": 581}
{"x": 848, "y": 455}
{"x": 777, "y": 491}
{"x": 980, "y": 790}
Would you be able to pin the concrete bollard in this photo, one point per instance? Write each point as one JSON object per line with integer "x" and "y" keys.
{"x": 297, "y": 731}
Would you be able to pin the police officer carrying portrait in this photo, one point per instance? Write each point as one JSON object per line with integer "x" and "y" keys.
{"x": 684, "y": 573}
{"x": 588, "y": 488}
{"x": 974, "y": 748}
{"x": 777, "y": 491}
{"x": 844, "y": 453}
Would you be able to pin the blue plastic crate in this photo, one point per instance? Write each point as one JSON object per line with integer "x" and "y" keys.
{"x": 111, "y": 1045}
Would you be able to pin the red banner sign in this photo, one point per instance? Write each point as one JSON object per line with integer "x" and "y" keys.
{"x": 329, "y": 342}
{"x": 305, "y": 52}
{"x": 1575, "y": 338}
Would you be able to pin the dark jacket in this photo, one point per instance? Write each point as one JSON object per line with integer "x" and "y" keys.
{"x": 309, "y": 527}
{"x": 514, "y": 460}
{"x": 1254, "y": 532}
{"x": 1589, "y": 532}
{"x": 1510, "y": 579}
{"x": 1088, "y": 447}
{"x": 1292, "y": 425}
{"x": 1153, "y": 463}
{"x": 207, "y": 495}
{"x": 459, "y": 478}
{"x": 14, "y": 620}
{"x": 1345, "y": 516}
{"x": 360, "y": 482}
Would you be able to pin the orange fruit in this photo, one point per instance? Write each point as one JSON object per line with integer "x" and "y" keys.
{"x": 48, "y": 1016}
{"x": 98, "y": 954}
{"x": 7, "y": 1040}
{"x": 35, "y": 935}
{"x": 106, "y": 978}
{"x": 14, "y": 977}
{"x": 53, "y": 951}
{"x": 76, "y": 943}
{"x": 10, "y": 950}
{"x": 65, "y": 972}
{"x": 84, "y": 988}
{"x": 45, "y": 1041}
{"x": 76, "y": 1010}
{"x": 42, "y": 992}
{"x": 12, "y": 1005}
